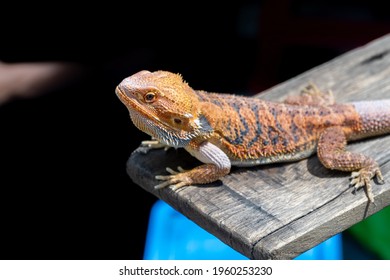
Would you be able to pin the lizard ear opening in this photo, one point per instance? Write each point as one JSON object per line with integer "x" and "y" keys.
{"x": 198, "y": 125}
{"x": 177, "y": 121}
{"x": 204, "y": 125}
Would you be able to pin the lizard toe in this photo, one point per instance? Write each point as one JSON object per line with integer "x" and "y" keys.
{"x": 361, "y": 179}
{"x": 179, "y": 170}
{"x": 167, "y": 181}
{"x": 175, "y": 180}
{"x": 379, "y": 176}
{"x": 357, "y": 183}
{"x": 355, "y": 174}
{"x": 178, "y": 185}
{"x": 171, "y": 171}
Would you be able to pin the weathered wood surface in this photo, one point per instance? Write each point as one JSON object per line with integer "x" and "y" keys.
{"x": 279, "y": 211}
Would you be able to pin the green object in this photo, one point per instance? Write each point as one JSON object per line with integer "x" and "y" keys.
{"x": 374, "y": 233}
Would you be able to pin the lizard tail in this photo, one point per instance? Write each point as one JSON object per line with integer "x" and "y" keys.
{"x": 375, "y": 117}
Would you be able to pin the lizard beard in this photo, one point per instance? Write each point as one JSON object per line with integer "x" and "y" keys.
{"x": 165, "y": 134}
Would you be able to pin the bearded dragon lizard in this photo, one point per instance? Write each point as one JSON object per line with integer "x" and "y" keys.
{"x": 224, "y": 130}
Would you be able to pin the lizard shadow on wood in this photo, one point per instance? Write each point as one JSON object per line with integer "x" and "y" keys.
{"x": 315, "y": 167}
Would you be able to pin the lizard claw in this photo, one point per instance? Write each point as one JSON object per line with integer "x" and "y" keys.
{"x": 379, "y": 177}
{"x": 176, "y": 180}
{"x": 362, "y": 178}
{"x": 154, "y": 144}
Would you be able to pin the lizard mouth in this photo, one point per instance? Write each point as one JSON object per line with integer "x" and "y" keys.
{"x": 123, "y": 96}
{"x": 134, "y": 106}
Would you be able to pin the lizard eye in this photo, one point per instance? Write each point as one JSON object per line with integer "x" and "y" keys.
{"x": 150, "y": 97}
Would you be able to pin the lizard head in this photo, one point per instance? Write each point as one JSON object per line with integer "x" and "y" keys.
{"x": 162, "y": 105}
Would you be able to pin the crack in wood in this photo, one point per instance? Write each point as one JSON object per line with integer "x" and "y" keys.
{"x": 374, "y": 57}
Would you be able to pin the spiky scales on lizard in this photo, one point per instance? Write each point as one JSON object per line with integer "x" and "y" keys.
{"x": 222, "y": 130}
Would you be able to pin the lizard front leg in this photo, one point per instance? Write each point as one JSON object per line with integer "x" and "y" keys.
{"x": 155, "y": 144}
{"x": 217, "y": 165}
{"x": 152, "y": 144}
{"x": 333, "y": 155}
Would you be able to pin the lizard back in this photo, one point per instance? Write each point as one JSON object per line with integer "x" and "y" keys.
{"x": 252, "y": 131}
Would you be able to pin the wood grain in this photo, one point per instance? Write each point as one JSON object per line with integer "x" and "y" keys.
{"x": 279, "y": 211}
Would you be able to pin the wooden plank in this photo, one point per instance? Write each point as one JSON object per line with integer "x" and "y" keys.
{"x": 279, "y": 211}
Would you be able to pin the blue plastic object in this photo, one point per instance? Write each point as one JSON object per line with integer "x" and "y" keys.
{"x": 172, "y": 236}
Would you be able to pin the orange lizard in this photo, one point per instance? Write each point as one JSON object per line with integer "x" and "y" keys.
{"x": 222, "y": 130}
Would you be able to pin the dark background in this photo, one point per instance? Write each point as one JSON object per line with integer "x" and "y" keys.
{"x": 64, "y": 191}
